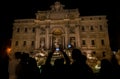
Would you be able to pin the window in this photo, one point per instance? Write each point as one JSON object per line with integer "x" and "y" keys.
{"x": 72, "y": 41}
{"x": 31, "y": 52}
{"x": 94, "y": 52}
{"x": 90, "y": 18}
{"x": 103, "y": 54}
{"x": 24, "y": 43}
{"x": 92, "y": 42}
{"x": 16, "y": 43}
{"x": 91, "y": 28}
{"x": 83, "y": 42}
{"x": 101, "y": 28}
{"x": 99, "y": 18}
{"x": 102, "y": 42}
{"x": 25, "y": 29}
{"x": 82, "y": 18}
{"x": 33, "y": 30}
{"x": 82, "y": 28}
{"x": 18, "y": 29}
{"x": 32, "y": 44}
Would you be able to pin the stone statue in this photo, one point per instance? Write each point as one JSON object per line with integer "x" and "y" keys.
{"x": 57, "y": 7}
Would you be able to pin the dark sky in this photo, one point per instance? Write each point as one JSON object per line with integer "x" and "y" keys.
{"x": 18, "y": 9}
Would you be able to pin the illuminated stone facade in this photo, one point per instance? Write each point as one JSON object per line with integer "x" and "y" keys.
{"x": 60, "y": 27}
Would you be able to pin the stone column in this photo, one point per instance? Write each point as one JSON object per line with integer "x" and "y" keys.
{"x": 63, "y": 41}
{"x": 107, "y": 43}
{"x": 51, "y": 42}
{"x": 47, "y": 37}
{"x": 77, "y": 36}
{"x": 37, "y": 38}
{"x": 66, "y": 37}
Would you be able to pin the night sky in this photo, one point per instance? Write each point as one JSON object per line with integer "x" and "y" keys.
{"x": 22, "y": 9}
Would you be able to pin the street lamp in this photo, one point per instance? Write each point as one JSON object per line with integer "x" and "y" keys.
{"x": 8, "y": 50}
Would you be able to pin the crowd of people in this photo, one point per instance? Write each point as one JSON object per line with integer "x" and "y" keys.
{"x": 63, "y": 68}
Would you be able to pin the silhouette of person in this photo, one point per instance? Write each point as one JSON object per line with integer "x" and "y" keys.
{"x": 46, "y": 69}
{"x": 61, "y": 67}
{"x": 34, "y": 71}
{"x": 106, "y": 71}
{"x": 116, "y": 67}
{"x": 58, "y": 70}
{"x": 79, "y": 67}
{"x": 27, "y": 68}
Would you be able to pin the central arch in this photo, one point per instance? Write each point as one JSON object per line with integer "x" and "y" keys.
{"x": 57, "y": 38}
{"x": 57, "y": 32}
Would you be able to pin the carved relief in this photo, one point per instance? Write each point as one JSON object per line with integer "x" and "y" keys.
{"x": 57, "y": 6}
{"x": 42, "y": 17}
{"x": 72, "y": 30}
{"x": 71, "y": 16}
{"x": 42, "y": 30}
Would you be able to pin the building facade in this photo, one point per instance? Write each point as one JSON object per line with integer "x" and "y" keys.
{"x": 59, "y": 28}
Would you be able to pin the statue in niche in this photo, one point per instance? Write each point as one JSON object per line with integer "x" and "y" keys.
{"x": 72, "y": 41}
{"x": 71, "y": 30}
{"x": 42, "y": 42}
{"x": 42, "y": 31}
{"x": 56, "y": 42}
